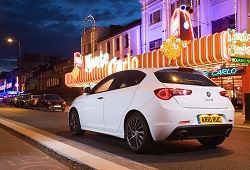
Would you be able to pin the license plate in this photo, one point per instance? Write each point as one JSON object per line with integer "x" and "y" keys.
{"x": 209, "y": 119}
{"x": 57, "y": 105}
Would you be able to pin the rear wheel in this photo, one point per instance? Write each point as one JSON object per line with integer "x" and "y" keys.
{"x": 74, "y": 123}
{"x": 137, "y": 134}
{"x": 45, "y": 109}
{"x": 212, "y": 141}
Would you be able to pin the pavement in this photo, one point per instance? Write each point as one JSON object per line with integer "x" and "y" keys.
{"x": 18, "y": 154}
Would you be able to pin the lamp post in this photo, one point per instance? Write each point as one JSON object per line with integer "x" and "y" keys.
{"x": 20, "y": 61}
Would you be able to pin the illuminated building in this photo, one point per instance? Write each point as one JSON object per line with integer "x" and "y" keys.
{"x": 221, "y": 53}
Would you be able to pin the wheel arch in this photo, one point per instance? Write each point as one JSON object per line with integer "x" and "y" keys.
{"x": 129, "y": 114}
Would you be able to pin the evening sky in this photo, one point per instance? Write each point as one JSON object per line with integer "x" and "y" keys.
{"x": 55, "y": 26}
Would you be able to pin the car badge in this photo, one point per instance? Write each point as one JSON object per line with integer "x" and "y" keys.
{"x": 208, "y": 94}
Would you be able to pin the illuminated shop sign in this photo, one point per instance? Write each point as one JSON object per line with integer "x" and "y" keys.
{"x": 102, "y": 60}
{"x": 238, "y": 43}
{"x": 240, "y": 60}
{"x": 225, "y": 72}
{"x": 78, "y": 60}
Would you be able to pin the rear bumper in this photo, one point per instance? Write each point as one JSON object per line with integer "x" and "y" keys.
{"x": 198, "y": 131}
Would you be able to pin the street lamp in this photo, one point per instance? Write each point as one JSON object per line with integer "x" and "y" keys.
{"x": 20, "y": 62}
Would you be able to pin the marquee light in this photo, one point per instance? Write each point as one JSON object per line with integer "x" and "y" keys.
{"x": 238, "y": 43}
{"x": 114, "y": 65}
{"x": 172, "y": 47}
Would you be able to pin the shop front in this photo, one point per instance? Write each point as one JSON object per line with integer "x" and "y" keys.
{"x": 230, "y": 79}
{"x": 223, "y": 56}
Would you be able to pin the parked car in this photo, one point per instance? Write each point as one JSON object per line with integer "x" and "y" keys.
{"x": 15, "y": 101}
{"x": 31, "y": 101}
{"x": 147, "y": 105}
{"x": 18, "y": 101}
{"x": 51, "y": 102}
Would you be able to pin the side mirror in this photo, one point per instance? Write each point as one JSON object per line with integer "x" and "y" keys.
{"x": 87, "y": 90}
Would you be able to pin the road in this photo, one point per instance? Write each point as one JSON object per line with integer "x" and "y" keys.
{"x": 234, "y": 153}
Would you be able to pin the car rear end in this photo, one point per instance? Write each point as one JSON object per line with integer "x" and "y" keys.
{"x": 187, "y": 105}
{"x": 54, "y": 102}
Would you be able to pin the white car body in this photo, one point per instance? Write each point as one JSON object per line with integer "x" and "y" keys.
{"x": 176, "y": 118}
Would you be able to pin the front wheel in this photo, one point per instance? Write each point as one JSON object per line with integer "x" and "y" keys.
{"x": 137, "y": 134}
{"x": 211, "y": 141}
{"x": 74, "y": 123}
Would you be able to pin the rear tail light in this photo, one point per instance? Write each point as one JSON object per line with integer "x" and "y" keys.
{"x": 168, "y": 93}
{"x": 224, "y": 94}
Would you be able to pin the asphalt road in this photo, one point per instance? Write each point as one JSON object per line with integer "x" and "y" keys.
{"x": 234, "y": 153}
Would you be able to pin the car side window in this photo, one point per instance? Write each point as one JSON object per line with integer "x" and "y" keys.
{"x": 131, "y": 78}
{"x": 103, "y": 85}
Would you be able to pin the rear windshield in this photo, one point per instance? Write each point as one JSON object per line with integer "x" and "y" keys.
{"x": 52, "y": 97}
{"x": 176, "y": 76}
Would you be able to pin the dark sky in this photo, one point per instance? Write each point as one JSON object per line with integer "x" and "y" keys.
{"x": 55, "y": 26}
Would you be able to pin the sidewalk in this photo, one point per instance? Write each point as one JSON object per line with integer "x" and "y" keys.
{"x": 17, "y": 154}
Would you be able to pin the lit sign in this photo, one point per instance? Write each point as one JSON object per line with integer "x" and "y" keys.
{"x": 8, "y": 85}
{"x": 103, "y": 60}
{"x": 78, "y": 60}
{"x": 238, "y": 43}
{"x": 173, "y": 47}
{"x": 175, "y": 26}
{"x": 225, "y": 72}
{"x": 98, "y": 61}
{"x": 240, "y": 60}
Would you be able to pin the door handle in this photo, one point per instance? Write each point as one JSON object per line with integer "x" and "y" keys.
{"x": 100, "y": 98}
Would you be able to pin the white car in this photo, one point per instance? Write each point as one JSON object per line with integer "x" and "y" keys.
{"x": 154, "y": 104}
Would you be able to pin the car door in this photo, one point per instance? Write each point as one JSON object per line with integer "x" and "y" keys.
{"x": 92, "y": 110}
{"x": 40, "y": 102}
{"x": 118, "y": 100}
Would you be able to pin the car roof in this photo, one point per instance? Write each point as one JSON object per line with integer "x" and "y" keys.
{"x": 187, "y": 69}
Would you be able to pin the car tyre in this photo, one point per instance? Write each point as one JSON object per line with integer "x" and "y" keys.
{"x": 37, "y": 108}
{"x": 63, "y": 110}
{"x": 211, "y": 142}
{"x": 74, "y": 123}
{"x": 45, "y": 109}
{"x": 137, "y": 134}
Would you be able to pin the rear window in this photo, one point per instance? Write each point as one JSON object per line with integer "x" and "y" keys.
{"x": 52, "y": 97}
{"x": 182, "y": 76}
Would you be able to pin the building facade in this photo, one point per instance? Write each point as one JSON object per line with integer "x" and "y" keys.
{"x": 139, "y": 45}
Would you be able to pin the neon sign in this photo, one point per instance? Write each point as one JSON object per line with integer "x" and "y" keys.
{"x": 98, "y": 61}
{"x": 238, "y": 43}
{"x": 225, "y": 72}
{"x": 78, "y": 60}
{"x": 103, "y": 60}
{"x": 240, "y": 60}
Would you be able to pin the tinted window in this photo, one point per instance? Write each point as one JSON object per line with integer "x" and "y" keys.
{"x": 188, "y": 76}
{"x": 52, "y": 97}
{"x": 104, "y": 85}
{"x": 130, "y": 78}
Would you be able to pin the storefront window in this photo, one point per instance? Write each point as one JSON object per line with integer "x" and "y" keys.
{"x": 233, "y": 84}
